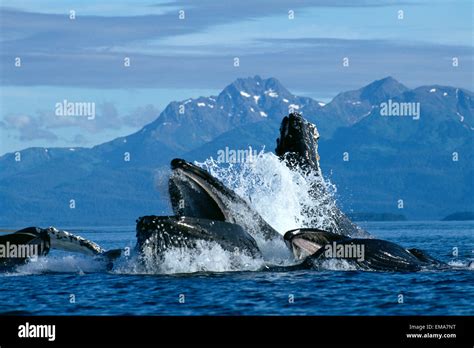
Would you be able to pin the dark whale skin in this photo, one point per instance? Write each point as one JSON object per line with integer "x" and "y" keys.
{"x": 378, "y": 255}
{"x": 163, "y": 232}
{"x": 28, "y": 236}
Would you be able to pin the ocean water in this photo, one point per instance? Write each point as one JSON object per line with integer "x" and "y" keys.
{"x": 211, "y": 281}
{"x": 47, "y": 286}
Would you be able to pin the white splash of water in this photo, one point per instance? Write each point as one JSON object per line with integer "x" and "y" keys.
{"x": 79, "y": 264}
{"x": 205, "y": 257}
{"x": 337, "y": 265}
{"x": 467, "y": 264}
{"x": 282, "y": 196}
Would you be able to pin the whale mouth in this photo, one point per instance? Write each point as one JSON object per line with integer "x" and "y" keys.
{"x": 305, "y": 242}
{"x": 303, "y": 248}
{"x": 195, "y": 193}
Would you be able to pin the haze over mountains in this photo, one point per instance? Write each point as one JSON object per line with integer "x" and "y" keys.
{"x": 374, "y": 160}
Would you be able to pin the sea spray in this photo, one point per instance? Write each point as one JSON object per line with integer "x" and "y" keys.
{"x": 281, "y": 195}
{"x": 60, "y": 263}
{"x": 204, "y": 257}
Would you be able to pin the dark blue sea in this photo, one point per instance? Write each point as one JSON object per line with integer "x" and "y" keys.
{"x": 72, "y": 285}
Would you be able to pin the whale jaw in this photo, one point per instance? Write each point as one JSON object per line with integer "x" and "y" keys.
{"x": 305, "y": 242}
{"x": 196, "y": 193}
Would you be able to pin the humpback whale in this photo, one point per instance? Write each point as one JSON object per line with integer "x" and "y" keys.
{"x": 206, "y": 210}
{"x": 202, "y": 200}
{"x": 17, "y": 248}
{"x": 40, "y": 241}
{"x": 316, "y": 246}
{"x": 158, "y": 233}
{"x": 297, "y": 146}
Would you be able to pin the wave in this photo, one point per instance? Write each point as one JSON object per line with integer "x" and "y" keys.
{"x": 79, "y": 264}
{"x": 463, "y": 264}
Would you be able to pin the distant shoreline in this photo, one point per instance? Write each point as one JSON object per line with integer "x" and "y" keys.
{"x": 460, "y": 216}
{"x": 370, "y": 216}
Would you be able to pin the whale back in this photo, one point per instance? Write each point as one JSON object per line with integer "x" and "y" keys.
{"x": 375, "y": 255}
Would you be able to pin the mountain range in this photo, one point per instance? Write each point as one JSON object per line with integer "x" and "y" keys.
{"x": 422, "y": 168}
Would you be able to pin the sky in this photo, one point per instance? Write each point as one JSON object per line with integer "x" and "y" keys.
{"x": 82, "y": 59}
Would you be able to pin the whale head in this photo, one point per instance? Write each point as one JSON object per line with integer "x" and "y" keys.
{"x": 156, "y": 234}
{"x": 298, "y": 142}
{"x": 305, "y": 242}
{"x": 194, "y": 192}
{"x": 297, "y": 147}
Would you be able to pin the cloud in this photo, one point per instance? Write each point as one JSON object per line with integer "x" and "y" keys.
{"x": 80, "y": 140}
{"x": 310, "y": 65}
{"x": 89, "y": 50}
{"x": 28, "y": 127}
{"x": 48, "y": 126}
{"x": 27, "y": 31}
